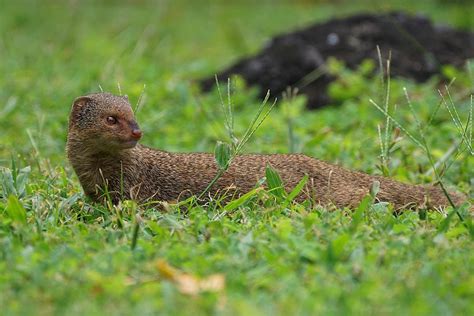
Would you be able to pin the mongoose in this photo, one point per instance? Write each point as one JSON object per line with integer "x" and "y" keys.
{"x": 103, "y": 149}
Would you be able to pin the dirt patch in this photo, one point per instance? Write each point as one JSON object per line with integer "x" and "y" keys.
{"x": 418, "y": 50}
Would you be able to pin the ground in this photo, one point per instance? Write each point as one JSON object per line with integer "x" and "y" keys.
{"x": 417, "y": 48}
{"x": 61, "y": 254}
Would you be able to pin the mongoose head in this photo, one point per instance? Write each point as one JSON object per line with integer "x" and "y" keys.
{"x": 104, "y": 121}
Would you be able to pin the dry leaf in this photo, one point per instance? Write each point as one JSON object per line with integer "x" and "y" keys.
{"x": 190, "y": 284}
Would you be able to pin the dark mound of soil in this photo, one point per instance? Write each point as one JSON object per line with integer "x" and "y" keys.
{"x": 418, "y": 50}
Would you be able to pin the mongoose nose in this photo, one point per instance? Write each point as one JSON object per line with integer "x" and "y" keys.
{"x": 136, "y": 133}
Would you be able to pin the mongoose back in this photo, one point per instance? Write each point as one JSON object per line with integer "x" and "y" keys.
{"x": 103, "y": 149}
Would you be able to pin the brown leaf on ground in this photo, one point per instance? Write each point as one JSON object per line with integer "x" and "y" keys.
{"x": 190, "y": 284}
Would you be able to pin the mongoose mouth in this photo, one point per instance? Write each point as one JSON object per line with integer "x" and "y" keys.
{"x": 129, "y": 144}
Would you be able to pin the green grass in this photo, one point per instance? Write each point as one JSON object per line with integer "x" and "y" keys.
{"x": 60, "y": 254}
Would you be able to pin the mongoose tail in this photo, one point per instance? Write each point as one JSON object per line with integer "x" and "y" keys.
{"x": 333, "y": 184}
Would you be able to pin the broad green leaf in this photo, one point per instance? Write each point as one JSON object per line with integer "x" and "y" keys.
{"x": 222, "y": 154}
{"x": 339, "y": 244}
{"x": 15, "y": 210}
{"x": 284, "y": 228}
{"x": 297, "y": 189}
{"x": 401, "y": 228}
{"x": 241, "y": 200}
{"x": 13, "y": 181}
{"x": 363, "y": 207}
{"x": 274, "y": 182}
{"x": 444, "y": 225}
{"x": 21, "y": 180}
{"x": 7, "y": 182}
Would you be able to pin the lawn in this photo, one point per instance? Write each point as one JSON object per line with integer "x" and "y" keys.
{"x": 62, "y": 254}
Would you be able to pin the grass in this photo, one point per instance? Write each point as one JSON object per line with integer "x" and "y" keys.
{"x": 60, "y": 254}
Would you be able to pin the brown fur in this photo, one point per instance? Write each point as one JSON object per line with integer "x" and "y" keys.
{"x": 106, "y": 156}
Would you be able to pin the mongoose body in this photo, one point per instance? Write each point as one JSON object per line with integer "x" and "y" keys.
{"x": 104, "y": 152}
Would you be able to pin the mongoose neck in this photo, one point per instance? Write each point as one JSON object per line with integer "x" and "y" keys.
{"x": 95, "y": 165}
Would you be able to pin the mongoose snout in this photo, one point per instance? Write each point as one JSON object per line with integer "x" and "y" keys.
{"x": 103, "y": 149}
{"x": 136, "y": 133}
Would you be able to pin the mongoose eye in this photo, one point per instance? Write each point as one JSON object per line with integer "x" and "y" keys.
{"x": 111, "y": 120}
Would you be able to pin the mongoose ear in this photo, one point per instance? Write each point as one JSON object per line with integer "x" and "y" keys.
{"x": 81, "y": 101}
{"x": 79, "y": 104}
